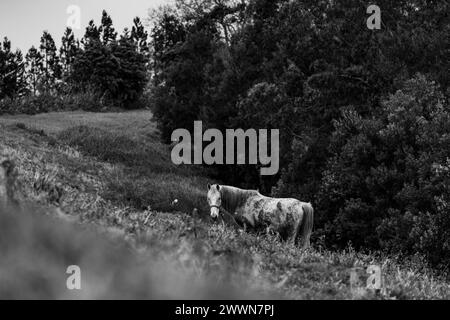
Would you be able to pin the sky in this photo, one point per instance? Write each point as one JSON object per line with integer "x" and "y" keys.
{"x": 23, "y": 21}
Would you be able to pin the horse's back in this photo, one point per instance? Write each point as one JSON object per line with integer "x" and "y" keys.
{"x": 267, "y": 210}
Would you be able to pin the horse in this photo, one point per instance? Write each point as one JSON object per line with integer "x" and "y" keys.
{"x": 290, "y": 218}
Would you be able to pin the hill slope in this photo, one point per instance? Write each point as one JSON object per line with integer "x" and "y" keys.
{"x": 108, "y": 174}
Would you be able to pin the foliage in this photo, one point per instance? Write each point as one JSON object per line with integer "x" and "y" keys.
{"x": 386, "y": 183}
{"x": 305, "y": 67}
{"x": 12, "y": 71}
{"x": 50, "y": 69}
{"x": 115, "y": 69}
{"x": 68, "y": 51}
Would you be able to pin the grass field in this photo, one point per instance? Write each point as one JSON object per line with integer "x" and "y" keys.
{"x": 135, "y": 124}
{"x": 100, "y": 192}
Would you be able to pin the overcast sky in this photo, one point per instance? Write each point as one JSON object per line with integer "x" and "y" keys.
{"x": 23, "y": 21}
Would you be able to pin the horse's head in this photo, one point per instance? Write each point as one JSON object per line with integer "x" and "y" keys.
{"x": 214, "y": 200}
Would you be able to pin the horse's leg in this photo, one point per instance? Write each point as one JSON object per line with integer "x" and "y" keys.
{"x": 298, "y": 231}
{"x": 293, "y": 238}
{"x": 306, "y": 244}
{"x": 295, "y": 234}
{"x": 241, "y": 222}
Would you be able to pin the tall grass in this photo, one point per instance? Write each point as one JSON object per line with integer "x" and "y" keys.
{"x": 147, "y": 177}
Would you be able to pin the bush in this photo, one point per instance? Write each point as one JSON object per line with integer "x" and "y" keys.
{"x": 30, "y": 104}
{"x": 386, "y": 186}
{"x": 88, "y": 101}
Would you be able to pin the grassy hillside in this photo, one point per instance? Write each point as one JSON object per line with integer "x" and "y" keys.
{"x": 105, "y": 189}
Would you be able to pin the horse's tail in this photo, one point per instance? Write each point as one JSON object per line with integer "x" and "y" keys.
{"x": 306, "y": 225}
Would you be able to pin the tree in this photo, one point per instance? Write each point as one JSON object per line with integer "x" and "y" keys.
{"x": 139, "y": 36}
{"x": 20, "y": 75}
{"x": 68, "y": 51}
{"x": 34, "y": 66}
{"x": 133, "y": 71}
{"x": 386, "y": 181}
{"x": 168, "y": 31}
{"x": 227, "y": 14}
{"x": 51, "y": 68}
{"x": 12, "y": 82}
{"x": 92, "y": 34}
{"x": 106, "y": 29}
{"x": 180, "y": 57}
{"x": 116, "y": 72}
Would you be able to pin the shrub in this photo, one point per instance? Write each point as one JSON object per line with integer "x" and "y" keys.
{"x": 30, "y": 104}
{"x": 386, "y": 186}
{"x": 87, "y": 100}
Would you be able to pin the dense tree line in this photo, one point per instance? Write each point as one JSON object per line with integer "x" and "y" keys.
{"x": 103, "y": 69}
{"x": 363, "y": 114}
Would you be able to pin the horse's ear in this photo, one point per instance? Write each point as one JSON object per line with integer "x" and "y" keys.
{"x": 209, "y": 186}
{"x": 218, "y": 187}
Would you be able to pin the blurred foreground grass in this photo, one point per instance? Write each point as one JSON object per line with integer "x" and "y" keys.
{"x": 36, "y": 251}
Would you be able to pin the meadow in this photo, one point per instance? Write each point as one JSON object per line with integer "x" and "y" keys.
{"x": 101, "y": 192}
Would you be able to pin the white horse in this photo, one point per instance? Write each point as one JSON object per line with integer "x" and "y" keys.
{"x": 290, "y": 218}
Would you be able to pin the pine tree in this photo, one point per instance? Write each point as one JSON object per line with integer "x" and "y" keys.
{"x": 107, "y": 31}
{"x": 132, "y": 71}
{"x": 51, "y": 66}
{"x": 139, "y": 36}
{"x": 11, "y": 71}
{"x": 117, "y": 72}
{"x": 2, "y": 72}
{"x": 20, "y": 75}
{"x": 4, "y": 69}
{"x": 67, "y": 51}
{"x": 34, "y": 67}
{"x": 92, "y": 34}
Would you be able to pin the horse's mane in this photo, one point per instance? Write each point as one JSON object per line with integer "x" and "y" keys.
{"x": 233, "y": 198}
